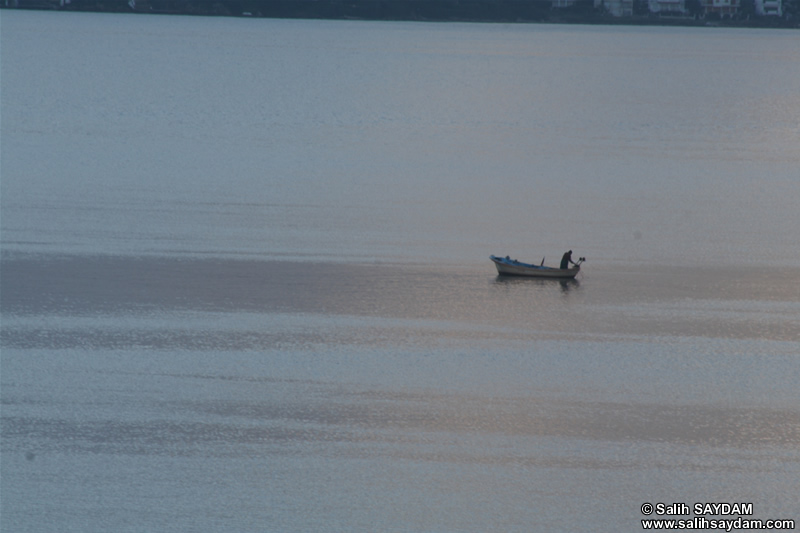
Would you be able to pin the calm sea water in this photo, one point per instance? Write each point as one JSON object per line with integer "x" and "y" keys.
{"x": 245, "y": 276}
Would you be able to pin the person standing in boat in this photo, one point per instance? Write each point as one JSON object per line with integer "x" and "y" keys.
{"x": 566, "y": 259}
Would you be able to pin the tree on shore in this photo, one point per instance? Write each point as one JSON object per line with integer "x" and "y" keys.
{"x": 694, "y": 7}
{"x": 641, "y": 7}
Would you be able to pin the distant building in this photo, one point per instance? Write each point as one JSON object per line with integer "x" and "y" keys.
{"x": 618, "y": 8}
{"x": 721, "y": 7}
{"x": 667, "y": 6}
{"x": 772, "y": 8}
{"x": 37, "y": 4}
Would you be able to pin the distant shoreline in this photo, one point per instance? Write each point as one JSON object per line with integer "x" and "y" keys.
{"x": 490, "y": 11}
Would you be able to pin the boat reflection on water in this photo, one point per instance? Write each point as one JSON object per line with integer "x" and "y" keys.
{"x": 544, "y": 283}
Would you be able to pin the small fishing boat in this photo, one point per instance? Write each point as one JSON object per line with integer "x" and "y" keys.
{"x": 511, "y": 267}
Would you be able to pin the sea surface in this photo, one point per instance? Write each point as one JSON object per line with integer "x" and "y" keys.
{"x": 245, "y": 281}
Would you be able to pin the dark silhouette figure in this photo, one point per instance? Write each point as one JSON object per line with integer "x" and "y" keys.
{"x": 566, "y": 260}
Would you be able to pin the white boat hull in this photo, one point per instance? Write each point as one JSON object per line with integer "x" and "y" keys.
{"x": 512, "y": 267}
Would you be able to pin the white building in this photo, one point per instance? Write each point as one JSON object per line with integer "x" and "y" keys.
{"x": 666, "y": 6}
{"x": 769, "y": 7}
